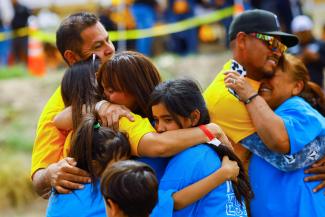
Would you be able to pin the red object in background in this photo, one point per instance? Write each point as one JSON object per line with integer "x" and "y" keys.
{"x": 36, "y": 58}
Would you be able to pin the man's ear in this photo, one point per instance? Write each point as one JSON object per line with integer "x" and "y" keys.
{"x": 299, "y": 86}
{"x": 195, "y": 117}
{"x": 71, "y": 57}
{"x": 240, "y": 40}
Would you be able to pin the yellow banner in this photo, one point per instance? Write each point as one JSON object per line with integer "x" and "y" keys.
{"x": 134, "y": 33}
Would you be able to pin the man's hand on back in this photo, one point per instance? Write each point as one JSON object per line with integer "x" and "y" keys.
{"x": 318, "y": 171}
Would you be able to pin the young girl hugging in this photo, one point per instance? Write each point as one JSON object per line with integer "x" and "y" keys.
{"x": 179, "y": 104}
{"x": 93, "y": 147}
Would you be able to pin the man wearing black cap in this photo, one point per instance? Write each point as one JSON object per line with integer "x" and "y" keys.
{"x": 257, "y": 45}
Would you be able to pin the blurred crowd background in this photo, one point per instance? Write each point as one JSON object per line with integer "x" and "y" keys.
{"x": 18, "y": 18}
{"x": 188, "y": 38}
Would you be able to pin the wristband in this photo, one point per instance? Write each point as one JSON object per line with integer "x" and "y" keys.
{"x": 249, "y": 100}
{"x": 99, "y": 104}
{"x": 207, "y": 132}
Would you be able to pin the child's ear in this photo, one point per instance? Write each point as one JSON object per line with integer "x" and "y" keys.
{"x": 195, "y": 117}
{"x": 112, "y": 209}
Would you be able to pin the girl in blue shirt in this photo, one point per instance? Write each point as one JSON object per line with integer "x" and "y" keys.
{"x": 179, "y": 104}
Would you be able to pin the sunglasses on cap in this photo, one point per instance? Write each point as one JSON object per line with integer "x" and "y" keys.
{"x": 272, "y": 42}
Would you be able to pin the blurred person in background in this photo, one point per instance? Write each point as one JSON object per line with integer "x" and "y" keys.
{"x": 286, "y": 10}
{"x": 118, "y": 16}
{"x": 185, "y": 42}
{"x": 19, "y": 21}
{"x": 104, "y": 14}
{"x": 323, "y": 32}
{"x": 144, "y": 13}
{"x": 4, "y": 44}
{"x": 310, "y": 50}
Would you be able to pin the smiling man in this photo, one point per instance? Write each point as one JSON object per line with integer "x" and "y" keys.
{"x": 78, "y": 37}
{"x": 257, "y": 44}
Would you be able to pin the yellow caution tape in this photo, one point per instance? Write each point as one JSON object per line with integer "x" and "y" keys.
{"x": 134, "y": 33}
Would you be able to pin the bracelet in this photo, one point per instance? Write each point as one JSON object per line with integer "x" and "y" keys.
{"x": 207, "y": 132}
{"x": 249, "y": 100}
{"x": 99, "y": 104}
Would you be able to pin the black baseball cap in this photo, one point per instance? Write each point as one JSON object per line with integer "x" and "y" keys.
{"x": 260, "y": 21}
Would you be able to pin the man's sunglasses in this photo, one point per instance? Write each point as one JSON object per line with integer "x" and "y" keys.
{"x": 272, "y": 42}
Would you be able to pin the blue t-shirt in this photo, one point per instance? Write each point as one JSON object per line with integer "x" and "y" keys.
{"x": 188, "y": 167}
{"x": 158, "y": 164}
{"x": 286, "y": 194}
{"x": 81, "y": 203}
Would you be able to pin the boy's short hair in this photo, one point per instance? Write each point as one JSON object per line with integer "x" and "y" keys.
{"x": 132, "y": 185}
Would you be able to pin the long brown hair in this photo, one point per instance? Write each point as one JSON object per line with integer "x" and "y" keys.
{"x": 79, "y": 89}
{"x": 93, "y": 143}
{"x": 133, "y": 73}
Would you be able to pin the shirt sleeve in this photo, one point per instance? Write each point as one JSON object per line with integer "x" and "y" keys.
{"x": 297, "y": 121}
{"x": 165, "y": 205}
{"x": 49, "y": 141}
{"x": 310, "y": 153}
{"x": 135, "y": 130}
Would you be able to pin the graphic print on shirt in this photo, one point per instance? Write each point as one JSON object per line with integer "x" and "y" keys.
{"x": 233, "y": 207}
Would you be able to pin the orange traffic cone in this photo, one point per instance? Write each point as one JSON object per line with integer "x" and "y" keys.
{"x": 238, "y": 7}
{"x": 36, "y": 58}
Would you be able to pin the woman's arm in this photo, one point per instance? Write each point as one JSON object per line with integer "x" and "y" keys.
{"x": 229, "y": 170}
{"x": 170, "y": 143}
{"x": 310, "y": 153}
{"x": 269, "y": 126}
{"x": 63, "y": 120}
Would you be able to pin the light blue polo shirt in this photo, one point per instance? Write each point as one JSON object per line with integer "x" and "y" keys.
{"x": 286, "y": 194}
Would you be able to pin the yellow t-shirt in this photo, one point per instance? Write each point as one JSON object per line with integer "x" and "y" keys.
{"x": 51, "y": 144}
{"x": 226, "y": 110}
{"x": 135, "y": 130}
{"x": 49, "y": 141}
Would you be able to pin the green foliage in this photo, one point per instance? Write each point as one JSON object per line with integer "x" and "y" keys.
{"x": 13, "y": 72}
{"x": 15, "y": 185}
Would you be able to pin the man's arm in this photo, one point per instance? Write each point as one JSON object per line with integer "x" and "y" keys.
{"x": 269, "y": 126}
{"x": 63, "y": 176}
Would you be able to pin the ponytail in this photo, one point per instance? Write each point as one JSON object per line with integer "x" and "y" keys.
{"x": 242, "y": 187}
{"x": 93, "y": 143}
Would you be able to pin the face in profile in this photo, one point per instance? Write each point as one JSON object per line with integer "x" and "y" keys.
{"x": 119, "y": 97}
{"x": 96, "y": 40}
{"x": 261, "y": 57}
{"x": 277, "y": 89}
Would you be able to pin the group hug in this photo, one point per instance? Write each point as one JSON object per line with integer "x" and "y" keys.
{"x": 116, "y": 140}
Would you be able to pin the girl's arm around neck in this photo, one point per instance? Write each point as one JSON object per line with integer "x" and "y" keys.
{"x": 172, "y": 142}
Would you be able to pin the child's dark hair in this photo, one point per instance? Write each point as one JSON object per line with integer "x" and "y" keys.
{"x": 183, "y": 96}
{"x": 93, "y": 143}
{"x": 132, "y": 185}
{"x": 79, "y": 88}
